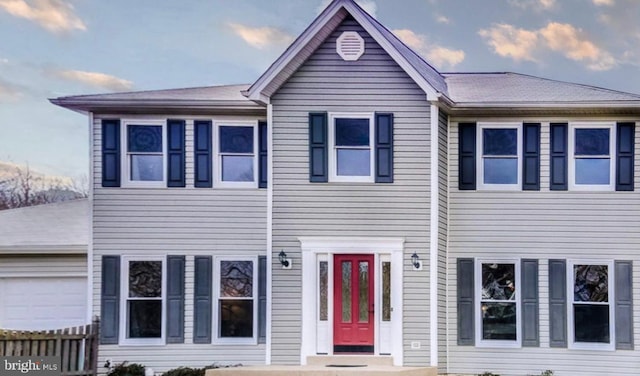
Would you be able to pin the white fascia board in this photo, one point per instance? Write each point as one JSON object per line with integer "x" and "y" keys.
{"x": 432, "y": 94}
{"x": 255, "y": 91}
{"x": 72, "y": 249}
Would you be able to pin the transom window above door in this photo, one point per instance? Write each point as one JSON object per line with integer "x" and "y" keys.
{"x": 499, "y": 166}
{"x": 352, "y": 147}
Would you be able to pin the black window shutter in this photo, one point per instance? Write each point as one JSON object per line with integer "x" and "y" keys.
{"x": 559, "y": 157}
{"x": 203, "y": 154}
{"x": 262, "y": 299}
{"x": 263, "y": 163}
{"x": 176, "y": 153}
{"x": 384, "y": 148}
{"x": 110, "y": 300}
{"x": 466, "y": 320}
{"x": 531, "y": 157}
{"x": 202, "y": 299}
{"x": 624, "y": 305}
{"x": 175, "y": 299}
{"x": 111, "y": 153}
{"x": 557, "y": 303}
{"x": 467, "y": 157}
{"x": 624, "y": 157}
{"x": 530, "y": 314}
{"x": 318, "y": 148}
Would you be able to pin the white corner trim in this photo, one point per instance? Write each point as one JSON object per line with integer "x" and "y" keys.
{"x": 269, "y": 228}
{"x": 433, "y": 236}
{"x": 89, "y": 249}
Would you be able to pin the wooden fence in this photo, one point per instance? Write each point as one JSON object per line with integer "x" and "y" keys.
{"x": 77, "y": 347}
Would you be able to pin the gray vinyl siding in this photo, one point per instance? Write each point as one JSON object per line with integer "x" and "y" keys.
{"x": 443, "y": 227}
{"x": 175, "y": 221}
{"x": 43, "y": 265}
{"x": 300, "y": 208}
{"x": 542, "y": 225}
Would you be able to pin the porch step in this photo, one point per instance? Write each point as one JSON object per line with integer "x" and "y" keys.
{"x": 368, "y": 360}
{"x": 309, "y": 370}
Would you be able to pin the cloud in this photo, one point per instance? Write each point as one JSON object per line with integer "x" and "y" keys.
{"x": 95, "y": 79}
{"x": 443, "y": 20}
{"x": 509, "y": 41}
{"x": 10, "y": 92}
{"x": 369, "y": 6}
{"x": 56, "y": 16}
{"x": 438, "y": 55}
{"x": 262, "y": 37}
{"x": 604, "y": 3}
{"x": 523, "y": 45}
{"x": 571, "y": 42}
{"x": 537, "y": 5}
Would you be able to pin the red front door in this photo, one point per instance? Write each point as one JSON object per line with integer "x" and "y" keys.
{"x": 353, "y": 319}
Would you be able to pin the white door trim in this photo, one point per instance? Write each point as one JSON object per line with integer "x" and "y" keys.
{"x": 311, "y": 247}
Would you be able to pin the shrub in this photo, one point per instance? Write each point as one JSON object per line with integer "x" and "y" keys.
{"x": 185, "y": 371}
{"x": 124, "y": 369}
{"x": 488, "y": 374}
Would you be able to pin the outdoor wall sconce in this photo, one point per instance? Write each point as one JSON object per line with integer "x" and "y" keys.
{"x": 286, "y": 262}
{"x": 415, "y": 260}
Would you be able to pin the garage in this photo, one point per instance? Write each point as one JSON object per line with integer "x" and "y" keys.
{"x": 42, "y": 303}
{"x": 43, "y": 266}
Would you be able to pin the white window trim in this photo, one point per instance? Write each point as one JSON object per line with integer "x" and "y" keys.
{"x": 492, "y": 343}
{"x": 570, "y": 316}
{"x": 216, "y": 302}
{"x": 480, "y": 157}
{"x": 333, "y": 157}
{"x": 125, "y": 161}
{"x": 124, "y": 294}
{"x": 217, "y": 158}
{"x": 612, "y": 157}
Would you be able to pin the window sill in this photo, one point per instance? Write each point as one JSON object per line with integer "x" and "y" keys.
{"x": 497, "y": 344}
{"x": 236, "y": 342}
{"x": 142, "y": 342}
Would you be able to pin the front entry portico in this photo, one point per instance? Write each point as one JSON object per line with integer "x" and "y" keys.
{"x": 352, "y": 297}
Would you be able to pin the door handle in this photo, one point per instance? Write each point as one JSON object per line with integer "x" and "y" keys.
{"x": 372, "y": 310}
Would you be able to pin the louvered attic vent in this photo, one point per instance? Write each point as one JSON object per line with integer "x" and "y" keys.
{"x": 350, "y": 46}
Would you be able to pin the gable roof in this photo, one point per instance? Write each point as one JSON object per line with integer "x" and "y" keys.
{"x": 61, "y": 227}
{"x": 425, "y": 76}
{"x": 224, "y": 97}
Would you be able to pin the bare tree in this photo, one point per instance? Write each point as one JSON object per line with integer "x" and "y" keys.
{"x": 22, "y": 187}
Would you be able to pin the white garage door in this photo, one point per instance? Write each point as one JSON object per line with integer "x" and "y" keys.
{"x": 42, "y": 303}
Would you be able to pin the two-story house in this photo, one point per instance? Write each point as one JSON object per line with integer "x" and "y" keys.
{"x": 354, "y": 199}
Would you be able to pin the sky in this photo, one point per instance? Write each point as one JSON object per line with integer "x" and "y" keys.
{"x": 52, "y": 48}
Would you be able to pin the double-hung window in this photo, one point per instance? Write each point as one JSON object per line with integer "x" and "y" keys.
{"x": 591, "y": 317}
{"x": 236, "y": 154}
{"x": 143, "y": 291}
{"x": 498, "y": 303}
{"x": 499, "y": 165}
{"x": 592, "y": 149}
{"x": 235, "y": 307}
{"x": 145, "y": 155}
{"x": 351, "y": 157}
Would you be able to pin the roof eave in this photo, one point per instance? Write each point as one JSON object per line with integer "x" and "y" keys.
{"x": 76, "y": 249}
{"x": 505, "y": 108}
{"x": 88, "y": 105}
